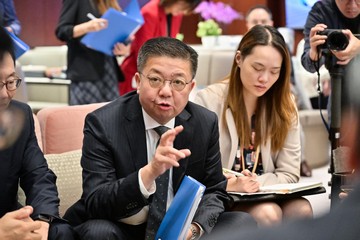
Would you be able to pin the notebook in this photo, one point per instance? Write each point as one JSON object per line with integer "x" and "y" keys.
{"x": 286, "y": 188}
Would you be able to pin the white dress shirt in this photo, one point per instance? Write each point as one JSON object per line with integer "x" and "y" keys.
{"x": 151, "y": 140}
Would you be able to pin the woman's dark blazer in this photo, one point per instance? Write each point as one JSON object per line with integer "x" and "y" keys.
{"x": 83, "y": 63}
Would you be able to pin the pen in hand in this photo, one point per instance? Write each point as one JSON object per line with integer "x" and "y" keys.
{"x": 92, "y": 17}
{"x": 237, "y": 174}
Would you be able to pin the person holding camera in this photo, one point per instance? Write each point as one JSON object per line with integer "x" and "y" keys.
{"x": 343, "y": 15}
{"x": 329, "y": 34}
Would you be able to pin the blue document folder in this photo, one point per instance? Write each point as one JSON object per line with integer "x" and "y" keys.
{"x": 20, "y": 47}
{"x": 133, "y": 10}
{"x": 178, "y": 217}
{"x": 121, "y": 25}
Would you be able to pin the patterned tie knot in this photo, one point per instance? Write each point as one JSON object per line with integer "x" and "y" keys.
{"x": 160, "y": 130}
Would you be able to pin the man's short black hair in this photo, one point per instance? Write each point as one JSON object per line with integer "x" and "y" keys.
{"x": 167, "y": 47}
{"x": 6, "y": 44}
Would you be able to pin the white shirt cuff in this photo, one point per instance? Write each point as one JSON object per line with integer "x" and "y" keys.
{"x": 146, "y": 193}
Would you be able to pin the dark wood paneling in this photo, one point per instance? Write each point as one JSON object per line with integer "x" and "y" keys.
{"x": 38, "y": 21}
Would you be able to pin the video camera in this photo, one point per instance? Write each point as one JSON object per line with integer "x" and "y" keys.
{"x": 336, "y": 39}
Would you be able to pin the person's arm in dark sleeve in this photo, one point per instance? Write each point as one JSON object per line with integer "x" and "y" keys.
{"x": 10, "y": 19}
{"x": 314, "y": 17}
{"x": 36, "y": 179}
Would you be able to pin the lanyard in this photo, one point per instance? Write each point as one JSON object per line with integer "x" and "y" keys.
{"x": 240, "y": 155}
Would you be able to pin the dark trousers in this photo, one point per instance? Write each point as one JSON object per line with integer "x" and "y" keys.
{"x": 228, "y": 221}
{"x": 100, "y": 229}
{"x": 61, "y": 231}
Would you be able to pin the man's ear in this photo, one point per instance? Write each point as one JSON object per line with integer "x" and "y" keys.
{"x": 137, "y": 80}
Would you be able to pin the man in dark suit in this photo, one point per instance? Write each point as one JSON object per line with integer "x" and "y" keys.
{"x": 21, "y": 161}
{"x": 121, "y": 161}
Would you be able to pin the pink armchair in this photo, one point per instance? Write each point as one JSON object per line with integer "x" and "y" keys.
{"x": 62, "y": 127}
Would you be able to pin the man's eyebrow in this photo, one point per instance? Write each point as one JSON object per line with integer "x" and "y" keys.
{"x": 178, "y": 75}
{"x": 11, "y": 75}
{"x": 152, "y": 71}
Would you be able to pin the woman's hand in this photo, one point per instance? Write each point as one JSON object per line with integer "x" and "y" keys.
{"x": 121, "y": 49}
{"x": 242, "y": 184}
{"x": 93, "y": 25}
{"x": 96, "y": 24}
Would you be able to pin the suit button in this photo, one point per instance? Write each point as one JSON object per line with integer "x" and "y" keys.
{"x": 212, "y": 221}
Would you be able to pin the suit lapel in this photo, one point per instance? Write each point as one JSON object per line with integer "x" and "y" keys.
{"x": 182, "y": 141}
{"x": 135, "y": 133}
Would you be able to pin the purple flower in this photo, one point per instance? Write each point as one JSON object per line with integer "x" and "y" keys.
{"x": 218, "y": 11}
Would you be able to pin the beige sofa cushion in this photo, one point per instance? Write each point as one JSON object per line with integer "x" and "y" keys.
{"x": 67, "y": 168}
{"x": 317, "y": 144}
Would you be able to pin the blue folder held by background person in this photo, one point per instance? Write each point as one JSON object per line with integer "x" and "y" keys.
{"x": 178, "y": 217}
{"x": 121, "y": 25}
{"x": 20, "y": 47}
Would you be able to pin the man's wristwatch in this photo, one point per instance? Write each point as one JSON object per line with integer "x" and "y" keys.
{"x": 44, "y": 218}
{"x": 195, "y": 234}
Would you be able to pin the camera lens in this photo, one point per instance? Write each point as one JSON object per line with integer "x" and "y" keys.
{"x": 337, "y": 41}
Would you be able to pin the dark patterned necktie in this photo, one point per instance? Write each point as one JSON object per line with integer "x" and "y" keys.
{"x": 157, "y": 208}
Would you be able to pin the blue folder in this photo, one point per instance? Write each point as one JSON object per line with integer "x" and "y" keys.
{"x": 20, "y": 47}
{"x": 178, "y": 217}
{"x": 121, "y": 25}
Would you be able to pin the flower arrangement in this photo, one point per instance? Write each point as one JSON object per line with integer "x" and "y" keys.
{"x": 214, "y": 13}
{"x": 208, "y": 28}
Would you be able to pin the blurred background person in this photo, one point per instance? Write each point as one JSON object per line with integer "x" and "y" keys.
{"x": 331, "y": 14}
{"x": 162, "y": 18}
{"x": 94, "y": 75}
{"x": 8, "y": 18}
{"x": 259, "y": 15}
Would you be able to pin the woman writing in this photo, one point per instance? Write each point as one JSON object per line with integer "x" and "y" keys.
{"x": 259, "y": 125}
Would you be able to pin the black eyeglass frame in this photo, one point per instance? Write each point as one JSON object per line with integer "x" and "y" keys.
{"x": 17, "y": 81}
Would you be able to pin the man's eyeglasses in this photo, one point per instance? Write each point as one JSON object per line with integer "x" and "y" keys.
{"x": 348, "y": 1}
{"x": 11, "y": 84}
{"x": 157, "y": 82}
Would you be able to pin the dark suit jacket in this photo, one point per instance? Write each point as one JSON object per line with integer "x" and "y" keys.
{"x": 115, "y": 149}
{"x": 24, "y": 162}
{"x": 84, "y": 64}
